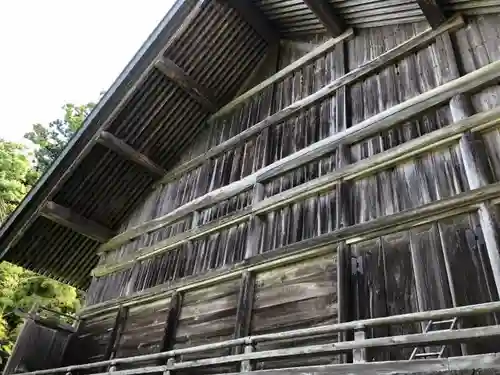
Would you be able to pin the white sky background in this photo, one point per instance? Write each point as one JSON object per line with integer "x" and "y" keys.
{"x": 54, "y": 52}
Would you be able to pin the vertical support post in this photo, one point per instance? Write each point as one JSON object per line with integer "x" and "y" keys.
{"x": 245, "y": 306}
{"x": 171, "y": 322}
{"x": 359, "y": 355}
{"x": 343, "y": 214}
{"x": 255, "y": 225}
{"x": 475, "y": 165}
{"x": 195, "y": 219}
{"x": 246, "y": 365}
{"x": 114, "y": 340}
{"x": 473, "y": 155}
{"x": 170, "y": 363}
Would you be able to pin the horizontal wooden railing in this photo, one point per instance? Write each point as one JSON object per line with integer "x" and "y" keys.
{"x": 411, "y": 149}
{"x": 250, "y": 353}
{"x": 397, "y": 53}
{"x": 283, "y": 73}
{"x": 381, "y": 121}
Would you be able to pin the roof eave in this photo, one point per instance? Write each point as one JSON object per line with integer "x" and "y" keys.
{"x": 97, "y": 120}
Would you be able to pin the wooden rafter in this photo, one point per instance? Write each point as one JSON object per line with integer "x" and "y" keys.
{"x": 351, "y": 171}
{"x": 69, "y": 219}
{"x": 117, "y": 145}
{"x": 291, "y": 161}
{"x": 308, "y": 58}
{"x": 432, "y": 12}
{"x": 255, "y": 18}
{"x": 326, "y": 14}
{"x": 390, "y": 56}
{"x": 173, "y": 72}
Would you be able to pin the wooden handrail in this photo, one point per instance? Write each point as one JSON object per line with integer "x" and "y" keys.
{"x": 397, "y": 53}
{"x": 340, "y": 347}
{"x": 382, "y": 121}
{"x": 479, "y": 122}
{"x": 283, "y": 73}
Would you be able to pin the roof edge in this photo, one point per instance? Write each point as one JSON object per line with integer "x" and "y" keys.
{"x": 81, "y": 143}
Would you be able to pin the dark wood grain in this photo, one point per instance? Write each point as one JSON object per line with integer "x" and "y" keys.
{"x": 254, "y": 17}
{"x": 432, "y": 12}
{"x": 189, "y": 85}
{"x": 117, "y": 145}
{"x": 70, "y": 219}
{"x": 327, "y": 15}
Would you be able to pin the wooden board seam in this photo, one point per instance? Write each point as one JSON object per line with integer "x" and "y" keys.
{"x": 413, "y": 148}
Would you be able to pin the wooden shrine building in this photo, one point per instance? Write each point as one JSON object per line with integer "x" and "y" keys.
{"x": 280, "y": 187}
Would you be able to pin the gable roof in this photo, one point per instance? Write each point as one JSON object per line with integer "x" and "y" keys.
{"x": 96, "y": 184}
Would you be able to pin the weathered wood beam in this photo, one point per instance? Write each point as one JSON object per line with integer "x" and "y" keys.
{"x": 460, "y": 203}
{"x": 441, "y": 365}
{"x": 69, "y": 219}
{"x": 411, "y": 149}
{"x": 343, "y": 214}
{"x": 172, "y": 322}
{"x": 327, "y": 16}
{"x": 124, "y": 89}
{"x": 432, "y": 12}
{"x": 245, "y": 307}
{"x": 255, "y": 225}
{"x": 280, "y": 75}
{"x": 474, "y": 156}
{"x": 429, "y": 366}
{"x": 255, "y": 18}
{"x": 414, "y": 317}
{"x": 114, "y": 338}
{"x": 46, "y": 322}
{"x": 402, "y": 340}
{"x": 476, "y": 164}
{"x": 120, "y": 147}
{"x": 377, "y": 123}
{"x": 436, "y": 338}
{"x": 359, "y": 354}
{"x": 244, "y": 316}
{"x": 188, "y": 84}
{"x": 417, "y": 42}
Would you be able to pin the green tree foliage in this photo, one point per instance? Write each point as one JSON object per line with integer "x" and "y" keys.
{"x": 16, "y": 176}
{"x": 20, "y": 289}
{"x": 51, "y": 140}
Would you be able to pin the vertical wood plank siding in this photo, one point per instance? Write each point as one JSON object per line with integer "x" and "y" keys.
{"x": 292, "y": 297}
{"x": 436, "y": 263}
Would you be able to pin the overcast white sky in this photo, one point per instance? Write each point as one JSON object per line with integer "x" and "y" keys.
{"x": 57, "y": 51}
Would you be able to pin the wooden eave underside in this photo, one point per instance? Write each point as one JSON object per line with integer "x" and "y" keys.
{"x": 108, "y": 135}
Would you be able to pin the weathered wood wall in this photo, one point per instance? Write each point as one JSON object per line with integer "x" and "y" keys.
{"x": 38, "y": 347}
{"x": 92, "y": 341}
{"x": 423, "y": 261}
{"x": 292, "y": 297}
{"x": 258, "y": 302}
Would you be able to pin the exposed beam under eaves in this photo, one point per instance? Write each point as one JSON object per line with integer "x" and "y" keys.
{"x": 69, "y": 219}
{"x": 173, "y": 72}
{"x": 255, "y": 18}
{"x": 326, "y": 14}
{"x": 117, "y": 145}
{"x": 432, "y": 12}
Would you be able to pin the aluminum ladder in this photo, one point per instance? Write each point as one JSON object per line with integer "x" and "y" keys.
{"x": 452, "y": 325}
